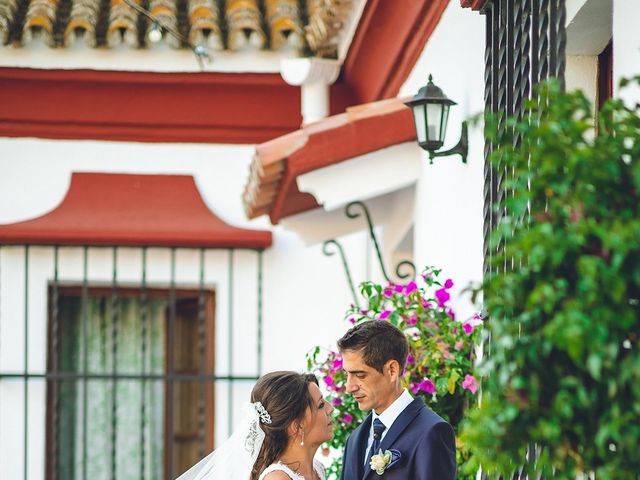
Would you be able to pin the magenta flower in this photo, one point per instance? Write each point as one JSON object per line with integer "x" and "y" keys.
{"x": 448, "y": 284}
{"x": 426, "y": 304}
{"x": 385, "y": 314}
{"x": 336, "y": 401}
{"x": 410, "y": 288}
{"x": 415, "y": 388}
{"x": 428, "y": 386}
{"x": 470, "y": 384}
{"x": 411, "y": 359}
{"x": 442, "y": 296}
{"x": 412, "y": 321}
{"x": 337, "y": 364}
{"x": 451, "y": 313}
{"x": 328, "y": 380}
{"x": 468, "y": 328}
{"x": 388, "y": 292}
{"x": 364, "y": 312}
{"x": 398, "y": 288}
{"x": 347, "y": 418}
{"x": 352, "y": 321}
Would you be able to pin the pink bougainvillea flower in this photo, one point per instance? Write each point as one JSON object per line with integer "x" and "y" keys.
{"x": 459, "y": 345}
{"x": 388, "y": 292}
{"x": 385, "y": 314}
{"x": 442, "y": 296}
{"x": 468, "y": 328}
{"x": 412, "y": 321}
{"x": 337, "y": 365}
{"x": 448, "y": 284}
{"x": 410, "y": 288}
{"x": 427, "y": 386}
{"x": 411, "y": 360}
{"x": 328, "y": 380}
{"x": 415, "y": 388}
{"x": 347, "y": 418}
{"x": 470, "y": 384}
{"x": 364, "y": 312}
{"x": 426, "y": 304}
{"x": 451, "y": 313}
{"x": 352, "y": 321}
{"x": 398, "y": 288}
{"x": 336, "y": 401}
{"x": 413, "y": 332}
{"x": 477, "y": 316}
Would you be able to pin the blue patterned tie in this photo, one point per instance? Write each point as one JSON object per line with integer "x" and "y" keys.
{"x": 378, "y": 428}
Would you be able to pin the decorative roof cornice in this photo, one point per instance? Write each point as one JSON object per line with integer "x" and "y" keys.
{"x": 114, "y": 209}
{"x": 271, "y": 187}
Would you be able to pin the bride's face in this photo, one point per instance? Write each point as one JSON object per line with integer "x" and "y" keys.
{"x": 318, "y": 424}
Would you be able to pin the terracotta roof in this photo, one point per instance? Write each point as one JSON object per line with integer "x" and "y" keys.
{"x": 266, "y": 24}
{"x": 132, "y": 210}
{"x": 473, "y": 4}
{"x": 271, "y": 187}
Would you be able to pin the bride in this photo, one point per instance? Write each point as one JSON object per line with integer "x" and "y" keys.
{"x": 286, "y": 422}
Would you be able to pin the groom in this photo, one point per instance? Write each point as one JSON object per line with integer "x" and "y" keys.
{"x": 422, "y": 444}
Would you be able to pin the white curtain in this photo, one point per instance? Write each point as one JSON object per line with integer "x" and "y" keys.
{"x": 138, "y": 445}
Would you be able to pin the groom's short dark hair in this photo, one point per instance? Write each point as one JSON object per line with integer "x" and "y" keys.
{"x": 378, "y": 342}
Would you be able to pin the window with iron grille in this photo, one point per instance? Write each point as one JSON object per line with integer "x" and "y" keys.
{"x": 128, "y": 399}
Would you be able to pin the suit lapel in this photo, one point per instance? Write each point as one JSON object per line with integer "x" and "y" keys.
{"x": 399, "y": 426}
{"x": 360, "y": 444}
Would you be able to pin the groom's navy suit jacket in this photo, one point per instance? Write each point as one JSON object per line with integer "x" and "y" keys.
{"x": 425, "y": 441}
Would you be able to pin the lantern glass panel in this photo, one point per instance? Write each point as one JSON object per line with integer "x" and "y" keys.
{"x": 445, "y": 119}
{"x": 420, "y": 120}
{"x": 434, "y": 121}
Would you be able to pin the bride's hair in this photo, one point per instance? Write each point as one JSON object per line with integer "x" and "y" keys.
{"x": 285, "y": 396}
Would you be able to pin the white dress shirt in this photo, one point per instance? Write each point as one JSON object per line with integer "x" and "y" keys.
{"x": 388, "y": 417}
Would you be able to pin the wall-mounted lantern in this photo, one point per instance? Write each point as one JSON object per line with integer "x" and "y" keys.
{"x": 430, "y": 108}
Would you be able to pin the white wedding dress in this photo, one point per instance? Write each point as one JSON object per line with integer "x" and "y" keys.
{"x": 234, "y": 459}
{"x": 275, "y": 467}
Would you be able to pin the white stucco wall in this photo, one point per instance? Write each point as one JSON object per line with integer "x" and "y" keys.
{"x": 304, "y": 293}
{"x": 449, "y": 198}
{"x": 626, "y": 47}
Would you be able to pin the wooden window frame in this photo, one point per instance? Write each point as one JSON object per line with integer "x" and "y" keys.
{"x": 129, "y": 291}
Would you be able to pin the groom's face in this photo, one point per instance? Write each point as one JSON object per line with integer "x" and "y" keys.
{"x": 370, "y": 388}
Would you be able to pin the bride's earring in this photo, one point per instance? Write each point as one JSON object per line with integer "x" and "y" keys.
{"x": 302, "y": 441}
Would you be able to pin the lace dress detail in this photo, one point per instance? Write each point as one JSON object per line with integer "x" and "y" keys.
{"x": 274, "y": 467}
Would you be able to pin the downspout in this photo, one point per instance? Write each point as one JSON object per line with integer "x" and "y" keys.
{"x": 314, "y": 76}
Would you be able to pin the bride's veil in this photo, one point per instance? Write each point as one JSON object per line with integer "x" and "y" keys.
{"x": 234, "y": 459}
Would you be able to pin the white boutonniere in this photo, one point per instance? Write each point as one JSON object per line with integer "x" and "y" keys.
{"x": 383, "y": 460}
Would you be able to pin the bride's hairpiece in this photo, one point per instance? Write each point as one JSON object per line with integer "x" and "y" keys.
{"x": 264, "y": 415}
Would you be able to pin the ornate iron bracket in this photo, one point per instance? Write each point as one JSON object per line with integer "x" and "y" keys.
{"x": 352, "y": 213}
{"x": 326, "y": 249}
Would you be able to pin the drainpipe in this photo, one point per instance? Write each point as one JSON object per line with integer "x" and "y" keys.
{"x": 314, "y": 76}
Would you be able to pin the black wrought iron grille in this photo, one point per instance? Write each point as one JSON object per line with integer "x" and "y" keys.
{"x": 130, "y": 383}
{"x": 525, "y": 44}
